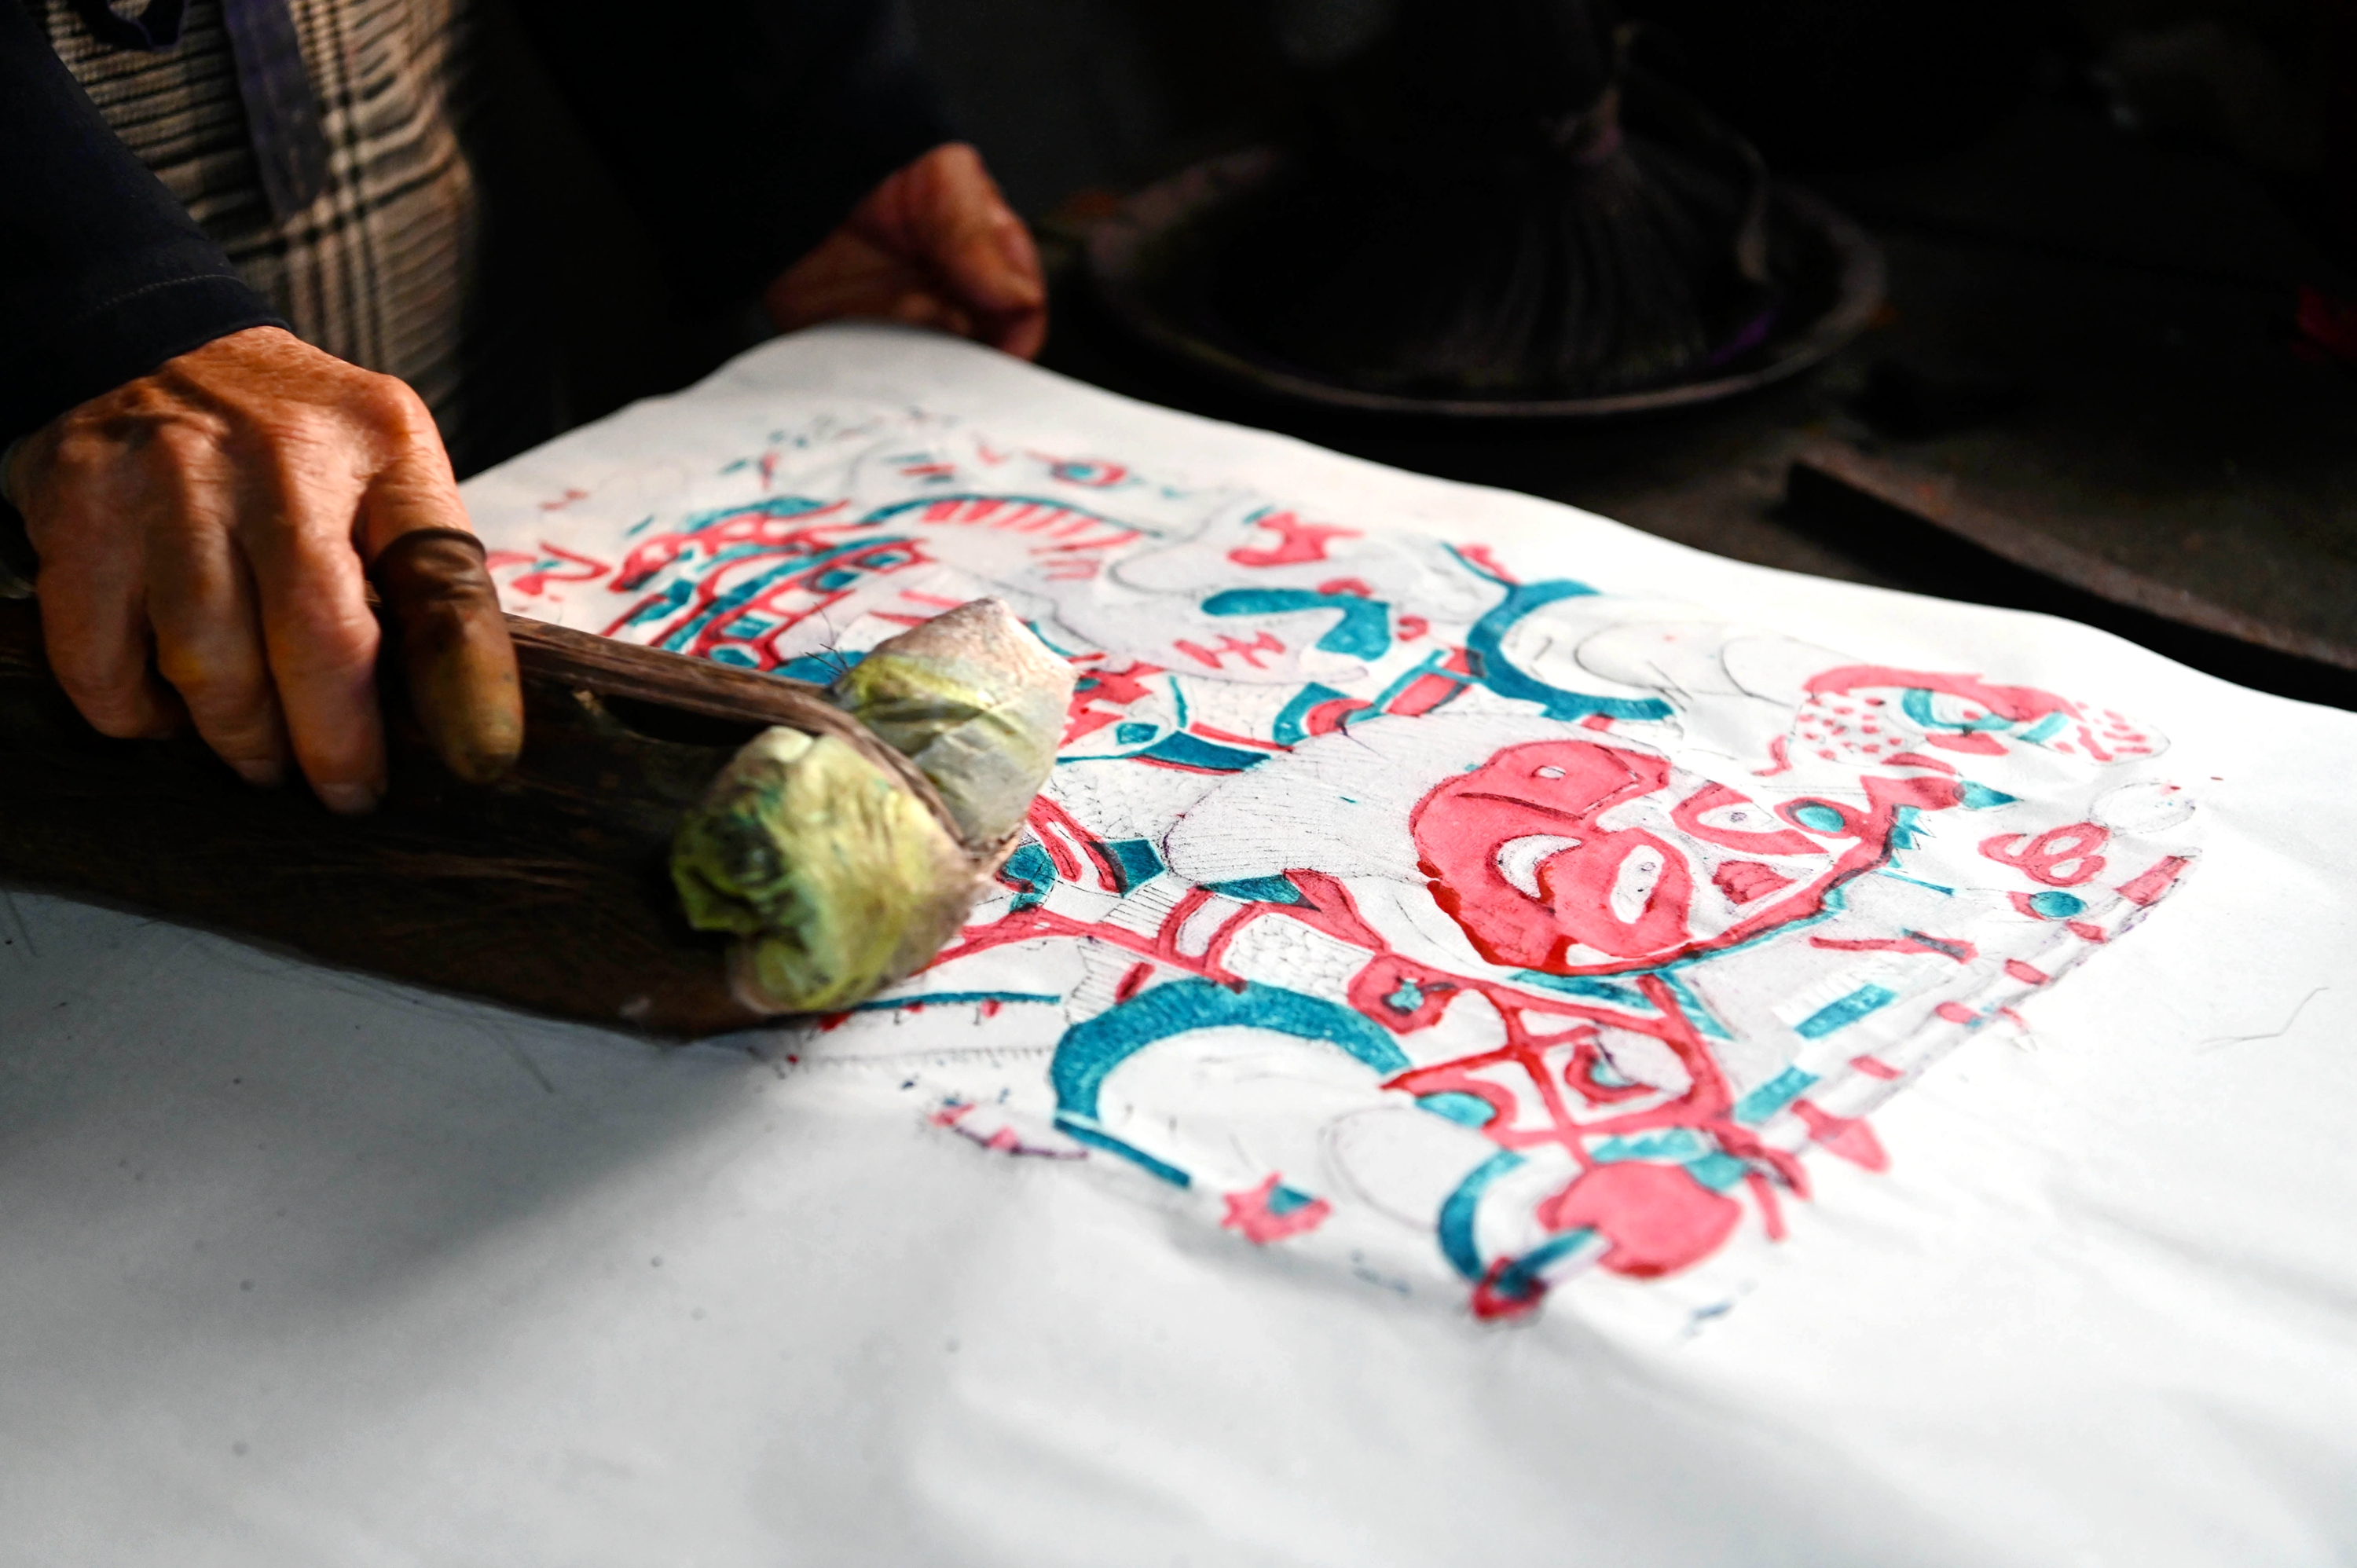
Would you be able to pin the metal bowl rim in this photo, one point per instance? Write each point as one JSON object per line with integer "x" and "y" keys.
{"x": 1112, "y": 246}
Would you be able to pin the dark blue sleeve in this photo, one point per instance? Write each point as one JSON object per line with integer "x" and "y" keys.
{"x": 744, "y": 131}
{"x": 103, "y": 275}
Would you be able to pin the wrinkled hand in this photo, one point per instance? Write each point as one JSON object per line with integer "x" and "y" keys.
{"x": 934, "y": 245}
{"x": 202, "y": 532}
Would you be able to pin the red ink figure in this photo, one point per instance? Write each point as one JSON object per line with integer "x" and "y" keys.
{"x": 1298, "y": 540}
{"x": 1573, "y": 858}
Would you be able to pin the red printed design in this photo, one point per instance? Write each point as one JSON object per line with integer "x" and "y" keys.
{"x": 1412, "y": 905}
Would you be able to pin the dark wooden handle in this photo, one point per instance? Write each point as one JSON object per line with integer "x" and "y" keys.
{"x": 653, "y": 675}
{"x": 559, "y": 656}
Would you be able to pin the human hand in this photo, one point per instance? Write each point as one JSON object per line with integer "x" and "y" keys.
{"x": 202, "y": 532}
{"x": 935, "y": 245}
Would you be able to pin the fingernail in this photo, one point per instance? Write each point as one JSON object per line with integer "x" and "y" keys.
{"x": 349, "y": 799}
{"x": 262, "y": 773}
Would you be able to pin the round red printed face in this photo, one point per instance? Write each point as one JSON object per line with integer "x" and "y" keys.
{"x": 1575, "y": 857}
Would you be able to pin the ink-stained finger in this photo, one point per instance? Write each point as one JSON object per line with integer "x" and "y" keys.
{"x": 459, "y": 662}
{"x": 460, "y": 665}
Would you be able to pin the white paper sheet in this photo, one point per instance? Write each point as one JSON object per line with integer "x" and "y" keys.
{"x": 307, "y": 1268}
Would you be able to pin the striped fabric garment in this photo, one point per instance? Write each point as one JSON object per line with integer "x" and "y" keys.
{"x": 384, "y": 267}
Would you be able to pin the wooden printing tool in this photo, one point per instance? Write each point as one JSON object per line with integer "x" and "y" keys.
{"x": 549, "y": 889}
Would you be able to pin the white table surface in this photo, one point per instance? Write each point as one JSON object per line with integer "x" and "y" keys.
{"x": 301, "y": 1267}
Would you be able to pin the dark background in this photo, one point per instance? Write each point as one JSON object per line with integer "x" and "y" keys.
{"x": 2099, "y": 216}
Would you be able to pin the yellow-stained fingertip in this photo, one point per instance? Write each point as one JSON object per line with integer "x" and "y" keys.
{"x": 455, "y": 650}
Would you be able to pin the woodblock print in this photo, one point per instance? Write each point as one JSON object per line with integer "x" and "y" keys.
{"x": 1392, "y": 884}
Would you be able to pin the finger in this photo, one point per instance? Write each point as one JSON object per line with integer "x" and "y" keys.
{"x": 967, "y": 232}
{"x": 971, "y": 267}
{"x": 922, "y": 307}
{"x": 100, "y": 650}
{"x": 317, "y": 632}
{"x": 85, "y": 524}
{"x": 988, "y": 259}
{"x": 208, "y": 632}
{"x": 456, "y": 655}
{"x": 1022, "y": 335}
{"x": 983, "y": 253}
{"x": 846, "y": 276}
{"x": 460, "y": 664}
